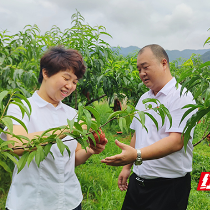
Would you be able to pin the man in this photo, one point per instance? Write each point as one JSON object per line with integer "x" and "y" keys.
{"x": 161, "y": 178}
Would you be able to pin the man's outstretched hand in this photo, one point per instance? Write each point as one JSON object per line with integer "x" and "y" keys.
{"x": 128, "y": 155}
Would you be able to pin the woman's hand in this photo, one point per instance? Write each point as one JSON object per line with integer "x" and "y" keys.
{"x": 98, "y": 148}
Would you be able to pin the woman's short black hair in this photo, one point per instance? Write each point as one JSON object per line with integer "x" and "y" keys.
{"x": 60, "y": 59}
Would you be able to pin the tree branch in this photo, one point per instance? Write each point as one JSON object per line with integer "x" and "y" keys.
{"x": 201, "y": 140}
{"x": 95, "y": 99}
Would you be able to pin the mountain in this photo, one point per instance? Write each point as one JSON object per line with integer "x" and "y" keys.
{"x": 206, "y": 56}
{"x": 173, "y": 54}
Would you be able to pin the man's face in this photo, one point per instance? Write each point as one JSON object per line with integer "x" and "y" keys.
{"x": 151, "y": 70}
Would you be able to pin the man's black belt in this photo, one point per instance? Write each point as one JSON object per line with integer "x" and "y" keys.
{"x": 155, "y": 182}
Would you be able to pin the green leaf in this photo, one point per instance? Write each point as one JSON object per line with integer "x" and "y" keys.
{"x": 186, "y": 137}
{"x": 94, "y": 125}
{"x": 39, "y": 155}
{"x": 47, "y": 148}
{"x": 5, "y": 166}
{"x": 121, "y": 124}
{"x": 2, "y": 95}
{"x": 60, "y": 145}
{"x": 141, "y": 124}
{"x": 184, "y": 85}
{"x": 161, "y": 112}
{"x": 199, "y": 91}
{"x": 78, "y": 127}
{"x": 70, "y": 124}
{"x": 129, "y": 109}
{"x": 207, "y": 98}
{"x": 49, "y": 139}
{"x": 47, "y": 132}
{"x": 192, "y": 82}
{"x": 80, "y": 132}
{"x": 192, "y": 106}
{"x": 2, "y": 60}
{"x": 186, "y": 113}
{"x": 112, "y": 115}
{"x": 167, "y": 113}
{"x": 192, "y": 122}
{"x": 184, "y": 75}
{"x": 22, "y": 161}
{"x": 8, "y": 123}
{"x": 26, "y": 100}
{"x": 93, "y": 138}
{"x": 124, "y": 124}
{"x": 149, "y": 106}
{"x": 52, "y": 155}
{"x": 128, "y": 121}
{"x": 88, "y": 118}
{"x": 19, "y": 137}
{"x": 5, "y": 143}
{"x": 68, "y": 150}
{"x": 99, "y": 79}
{"x": 10, "y": 157}
{"x": 205, "y": 64}
{"x": 207, "y": 41}
{"x": 95, "y": 114}
{"x": 19, "y": 121}
{"x": 31, "y": 157}
{"x": 142, "y": 117}
{"x": 149, "y": 100}
{"x": 80, "y": 111}
{"x": 153, "y": 119}
{"x": 23, "y": 109}
{"x": 102, "y": 32}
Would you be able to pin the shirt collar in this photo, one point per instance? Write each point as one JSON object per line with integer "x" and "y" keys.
{"x": 41, "y": 102}
{"x": 166, "y": 89}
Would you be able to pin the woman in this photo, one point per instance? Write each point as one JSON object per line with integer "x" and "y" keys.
{"x": 52, "y": 185}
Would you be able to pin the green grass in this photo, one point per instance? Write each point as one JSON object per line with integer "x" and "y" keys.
{"x": 99, "y": 181}
{"x": 198, "y": 200}
{"x": 203, "y": 147}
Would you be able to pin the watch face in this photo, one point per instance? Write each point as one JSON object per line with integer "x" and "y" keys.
{"x": 138, "y": 159}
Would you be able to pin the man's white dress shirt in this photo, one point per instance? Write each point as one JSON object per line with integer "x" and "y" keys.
{"x": 178, "y": 163}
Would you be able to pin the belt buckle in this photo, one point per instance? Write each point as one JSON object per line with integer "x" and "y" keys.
{"x": 140, "y": 181}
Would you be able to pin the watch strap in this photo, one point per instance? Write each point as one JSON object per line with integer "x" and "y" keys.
{"x": 138, "y": 160}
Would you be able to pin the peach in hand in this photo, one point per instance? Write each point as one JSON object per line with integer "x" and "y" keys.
{"x": 99, "y": 138}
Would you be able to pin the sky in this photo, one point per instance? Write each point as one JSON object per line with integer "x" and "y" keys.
{"x": 173, "y": 24}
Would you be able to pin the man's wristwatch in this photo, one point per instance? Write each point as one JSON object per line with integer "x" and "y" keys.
{"x": 138, "y": 160}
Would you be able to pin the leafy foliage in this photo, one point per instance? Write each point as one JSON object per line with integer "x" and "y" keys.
{"x": 39, "y": 146}
{"x": 106, "y": 74}
{"x": 195, "y": 78}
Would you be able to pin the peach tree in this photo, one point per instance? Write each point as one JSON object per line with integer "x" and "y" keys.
{"x": 39, "y": 147}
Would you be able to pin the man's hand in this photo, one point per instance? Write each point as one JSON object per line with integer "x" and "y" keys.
{"x": 128, "y": 155}
{"x": 123, "y": 177}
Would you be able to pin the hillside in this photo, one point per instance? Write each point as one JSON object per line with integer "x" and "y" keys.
{"x": 206, "y": 56}
{"x": 173, "y": 54}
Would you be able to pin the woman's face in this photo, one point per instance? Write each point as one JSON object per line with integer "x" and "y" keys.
{"x": 59, "y": 86}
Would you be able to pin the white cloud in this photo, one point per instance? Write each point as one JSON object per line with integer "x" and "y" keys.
{"x": 175, "y": 24}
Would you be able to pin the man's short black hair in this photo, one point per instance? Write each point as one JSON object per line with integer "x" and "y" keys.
{"x": 60, "y": 59}
{"x": 157, "y": 50}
